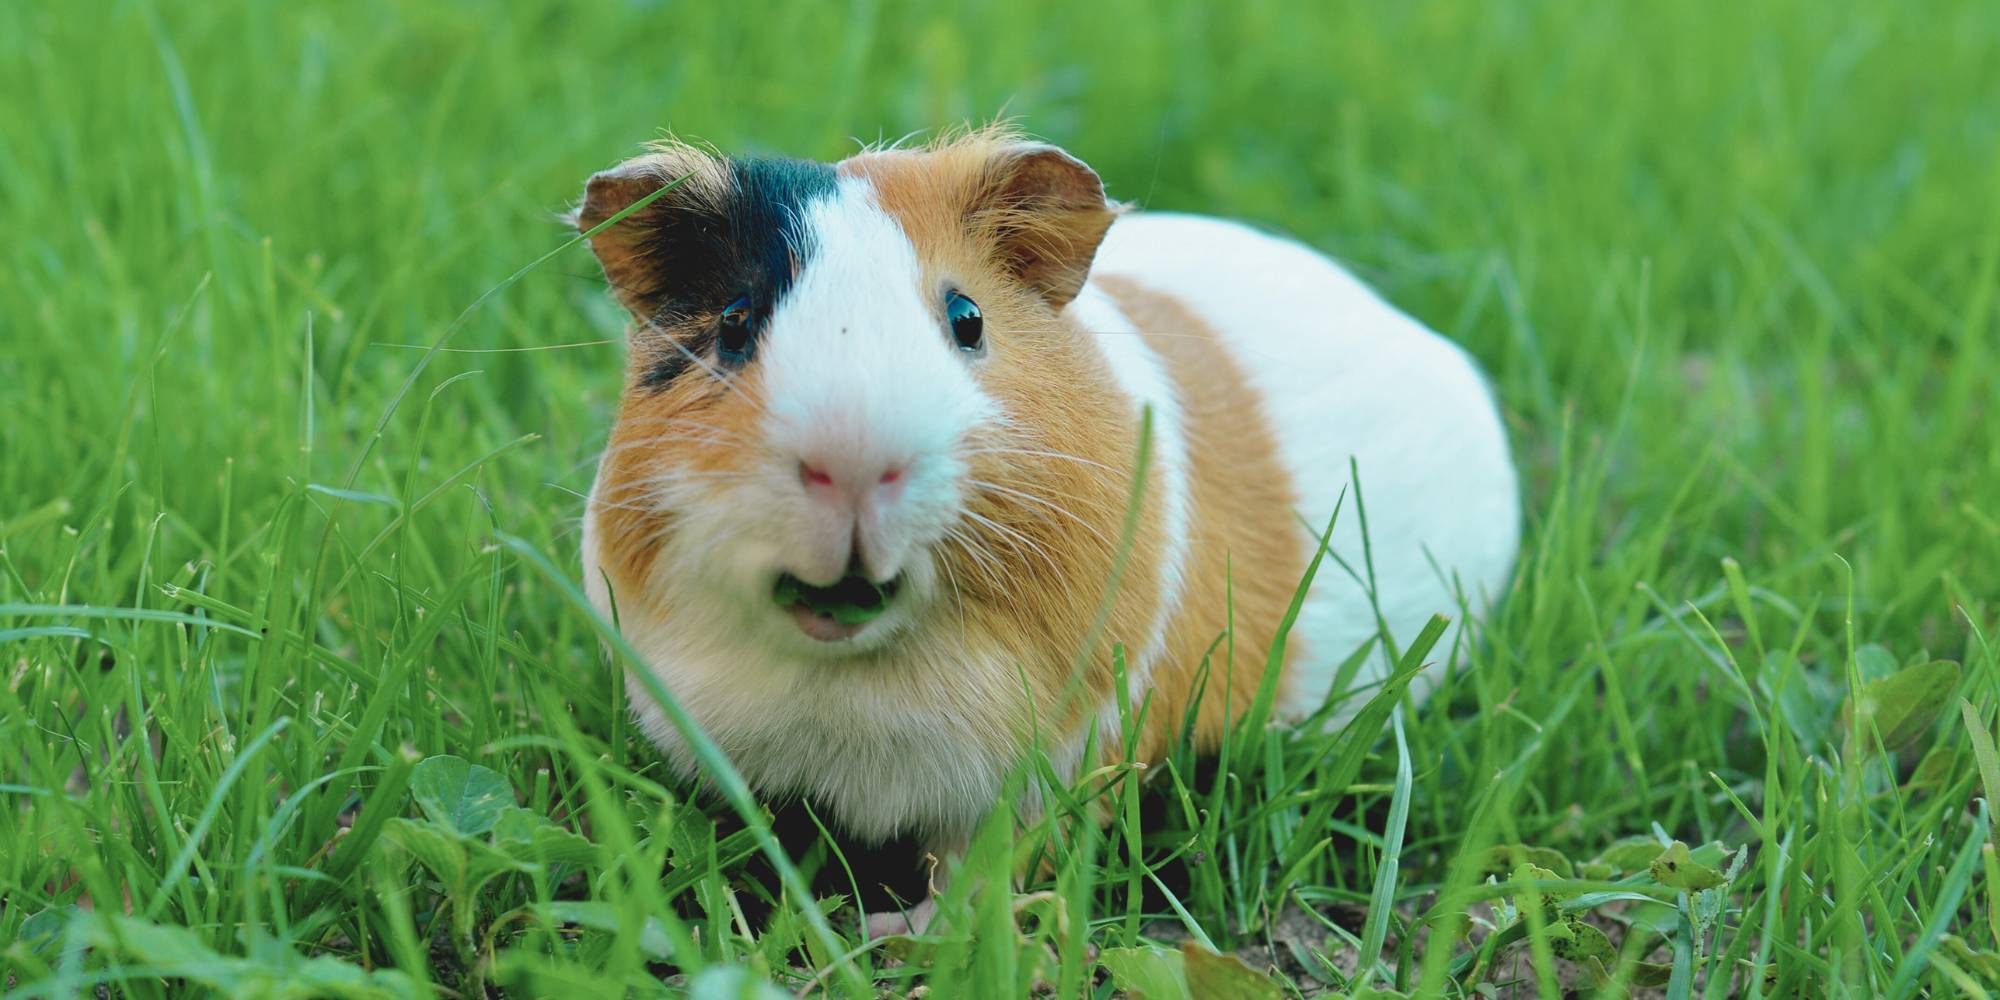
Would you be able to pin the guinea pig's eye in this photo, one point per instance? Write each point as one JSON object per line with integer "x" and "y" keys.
{"x": 968, "y": 328}
{"x": 733, "y": 336}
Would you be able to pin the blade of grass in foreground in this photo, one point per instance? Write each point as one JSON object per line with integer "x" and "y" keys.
{"x": 713, "y": 762}
{"x": 1382, "y": 904}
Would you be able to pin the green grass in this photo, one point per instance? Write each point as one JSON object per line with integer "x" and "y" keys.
{"x": 1733, "y": 267}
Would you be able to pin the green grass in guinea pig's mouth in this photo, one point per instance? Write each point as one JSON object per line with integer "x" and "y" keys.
{"x": 852, "y": 600}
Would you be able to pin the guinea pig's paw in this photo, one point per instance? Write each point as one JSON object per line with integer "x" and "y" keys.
{"x": 915, "y": 920}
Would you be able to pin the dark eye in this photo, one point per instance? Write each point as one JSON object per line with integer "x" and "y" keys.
{"x": 968, "y": 328}
{"x": 733, "y": 335}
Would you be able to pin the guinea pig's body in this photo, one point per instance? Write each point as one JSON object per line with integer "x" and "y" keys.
{"x": 865, "y": 510}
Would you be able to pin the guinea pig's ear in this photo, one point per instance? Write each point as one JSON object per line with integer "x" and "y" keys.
{"x": 648, "y": 254}
{"x": 1046, "y": 212}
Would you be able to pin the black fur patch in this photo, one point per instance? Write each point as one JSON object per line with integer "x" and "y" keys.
{"x": 704, "y": 258}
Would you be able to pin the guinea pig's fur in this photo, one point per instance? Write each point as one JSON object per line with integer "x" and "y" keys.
{"x": 854, "y": 434}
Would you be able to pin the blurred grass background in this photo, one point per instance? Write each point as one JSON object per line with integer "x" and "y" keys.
{"x": 1732, "y": 268}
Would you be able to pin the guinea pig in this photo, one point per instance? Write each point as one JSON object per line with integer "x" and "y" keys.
{"x": 870, "y": 488}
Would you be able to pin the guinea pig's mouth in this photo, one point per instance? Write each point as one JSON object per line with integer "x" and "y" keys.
{"x": 838, "y": 612}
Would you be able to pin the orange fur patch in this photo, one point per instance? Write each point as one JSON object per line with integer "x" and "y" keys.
{"x": 1243, "y": 553}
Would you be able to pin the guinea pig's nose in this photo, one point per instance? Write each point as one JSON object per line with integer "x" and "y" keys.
{"x": 850, "y": 483}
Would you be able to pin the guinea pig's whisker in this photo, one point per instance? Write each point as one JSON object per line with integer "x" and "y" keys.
{"x": 991, "y": 566}
{"x": 677, "y": 494}
{"x": 962, "y": 537}
{"x": 652, "y": 499}
{"x": 989, "y": 563}
{"x": 753, "y": 397}
{"x": 710, "y": 438}
{"x": 1042, "y": 491}
{"x": 1003, "y": 435}
{"x": 1015, "y": 540}
{"x": 636, "y": 503}
{"x": 957, "y": 593}
{"x": 652, "y": 325}
{"x": 644, "y": 449}
{"x": 585, "y": 462}
{"x": 986, "y": 581}
{"x": 1032, "y": 453}
{"x": 703, "y": 475}
{"x": 648, "y": 447}
{"x": 608, "y": 282}
{"x": 675, "y": 422}
{"x": 1050, "y": 505}
{"x": 685, "y": 479}
{"x": 990, "y": 571}
{"x": 634, "y": 508}
{"x": 697, "y": 360}
{"x": 571, "y": 492}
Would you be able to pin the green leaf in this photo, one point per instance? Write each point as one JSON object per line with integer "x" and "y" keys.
{"x": 732, "y": 982}
{"x": 1149, "y": 973}
{"x": 1874, "y": 662}
{"x": 1911, "y": 701}
{"x": 459, "y": 795}
{"x": 43, "y": 930}
{"x": 689, "y": 839}
{"x": 525, "y": 835}
{"x": 1502, "y": 859}
{"x": 437, "y": 848}
{"x": 1675, "y": 868}
{"x": 484, "y": 862}
{"x": 1211, "y": 976}
{"x": 1585, "y": 941}
{"x": 1651, "y": 916}
{"x": 1548, "y": 901}
{"x": 1933, "y": 771}
{"x": 1904, "y": 704}
{"x": 1631, "y": 854}
{"x": 1806, "y": 699}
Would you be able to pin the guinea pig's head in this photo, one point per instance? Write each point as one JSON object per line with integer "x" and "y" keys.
{"x": 852, "y": 401}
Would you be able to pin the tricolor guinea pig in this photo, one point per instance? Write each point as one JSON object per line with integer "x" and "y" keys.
{"x": 871, "y": 485}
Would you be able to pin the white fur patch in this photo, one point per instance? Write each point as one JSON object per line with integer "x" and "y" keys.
{"x": 1343, "y": 373}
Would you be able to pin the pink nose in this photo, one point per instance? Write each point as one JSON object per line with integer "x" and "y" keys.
{"x": 845, "y": 484}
